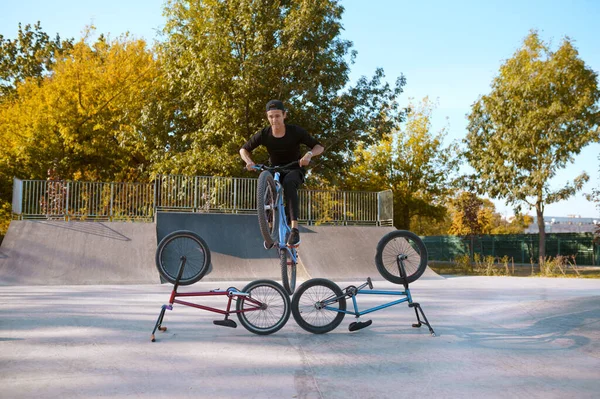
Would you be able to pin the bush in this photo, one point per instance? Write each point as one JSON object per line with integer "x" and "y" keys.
{"x": 5, "y": 218}
{"x": 463, "y": 264}
{"x": 490, "y": 266}
{"x": 558, "y": 266}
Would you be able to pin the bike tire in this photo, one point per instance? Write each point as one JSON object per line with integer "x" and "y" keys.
{"x": 266, "y": 206}
{"x": 305, "y": 310}
{"x": 401, "y": 242}
{"x": 288, "y": 269}
{"x": 182, "y": 243}
{"x": 270, "y": 319}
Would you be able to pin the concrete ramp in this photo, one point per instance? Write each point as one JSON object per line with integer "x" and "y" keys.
{"x": 70, "y": 253}
{"x": 343, "y": 252}
{"x": 235, "y": 243}
{"x": 340, "y": 252}
{"x": 65, "y": 253}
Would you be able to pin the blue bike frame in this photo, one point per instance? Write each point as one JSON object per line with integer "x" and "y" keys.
{"x": 356, "y": 312}
{"x": 283, "y": 227}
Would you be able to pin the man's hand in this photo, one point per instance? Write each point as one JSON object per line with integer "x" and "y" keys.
{"x": 305, "y": 160}
{"x": 250, "y": 166}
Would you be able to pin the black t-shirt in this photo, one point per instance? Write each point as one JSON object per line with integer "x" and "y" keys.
{"x": 282, "y": 150}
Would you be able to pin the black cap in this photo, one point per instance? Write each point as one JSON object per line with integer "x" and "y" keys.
{"x": 275, "y": 104}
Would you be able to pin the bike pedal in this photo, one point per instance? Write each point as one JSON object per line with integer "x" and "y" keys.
{"x": 357, "y": 325}
{"x": 225, "y": 323}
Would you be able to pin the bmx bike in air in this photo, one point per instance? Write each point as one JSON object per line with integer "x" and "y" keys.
{"x": 183, "y": 258}
{"x": 319, "y": 305}
{"x": 273, "y": 223}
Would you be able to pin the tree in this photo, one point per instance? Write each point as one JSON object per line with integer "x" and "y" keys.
{"x": 542, "y": 110}
{"x": 223, "y": 61}
{"x": 84, "y": 118}
{"x": 431, "y": 225}
{"x": 412, "y": 162}
{"x": 515, "y": 225}
{"x": 30, "y": 56}
{"x": 595, "y": 197}
{"x": 472, "y": 216}
{"x": 467, "y": 214}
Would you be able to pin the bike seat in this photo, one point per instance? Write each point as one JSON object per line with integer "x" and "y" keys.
{"x": 225, "y": 323}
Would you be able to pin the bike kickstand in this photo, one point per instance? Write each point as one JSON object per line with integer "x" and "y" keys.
{"x": 420, "y": 322}
{"x": 159, "y": 321}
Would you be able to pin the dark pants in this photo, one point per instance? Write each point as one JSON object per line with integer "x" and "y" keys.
{"x": 291, "y": 181}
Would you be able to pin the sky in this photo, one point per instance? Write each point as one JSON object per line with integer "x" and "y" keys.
{"x": 449, "y": 51}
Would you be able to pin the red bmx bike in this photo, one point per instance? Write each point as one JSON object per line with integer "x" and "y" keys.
{"x": 183, "y": 258}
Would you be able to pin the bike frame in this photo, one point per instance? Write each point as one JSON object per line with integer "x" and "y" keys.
{"x": 352, "y": 292}
{"x": 283, "y": 228}
{"x": 231, "y": 293}
{"x": 357, "y": 313}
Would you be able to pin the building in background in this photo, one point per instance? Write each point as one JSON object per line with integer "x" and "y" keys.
{"x": 568, "y": 224}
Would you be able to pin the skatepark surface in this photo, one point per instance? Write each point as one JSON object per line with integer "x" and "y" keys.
{"x": 497, "y": 337}
{"x": 80, "y": 300}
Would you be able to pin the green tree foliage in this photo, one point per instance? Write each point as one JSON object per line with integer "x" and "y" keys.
{"x": 84, "y": 119}
{"x": 595, "y": 197}
{"x": 412, "y": 162}
{"x": 30, "y": 56}
{"x": 223, "y": 60}
{"x": 542, "y": 110}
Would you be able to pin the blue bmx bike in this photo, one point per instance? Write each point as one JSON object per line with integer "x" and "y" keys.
{"x": 273, "y": 223}
{"x": 319, "y": 305}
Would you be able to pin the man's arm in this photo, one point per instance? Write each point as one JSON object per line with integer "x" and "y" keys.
{"x": 245, "y": 154}
{"x": 247, "y": 149}
{"x": 316, "y": 150}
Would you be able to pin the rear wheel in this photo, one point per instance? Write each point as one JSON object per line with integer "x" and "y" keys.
{"x": 180, "y": 245}
{"x": 288, "y": 268}
{"x": 311, "y": 308}
{"x": 266, "y": 205}
{"x": 266, "y": 310}
{"x": 401, "y": 246}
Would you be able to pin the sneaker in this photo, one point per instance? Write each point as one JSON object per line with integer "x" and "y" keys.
{"x": 294, "y": 238}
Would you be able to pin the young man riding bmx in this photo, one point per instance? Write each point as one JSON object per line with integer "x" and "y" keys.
{"x": 283, "y": 145}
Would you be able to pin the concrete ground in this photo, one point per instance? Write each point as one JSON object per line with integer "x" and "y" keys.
{"x": 498, "y": 337}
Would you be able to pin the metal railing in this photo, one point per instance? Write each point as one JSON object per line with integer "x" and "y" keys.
{"x": 75, "y": 200}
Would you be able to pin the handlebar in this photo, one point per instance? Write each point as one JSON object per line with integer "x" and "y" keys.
{"x": 368, "y": 283}
{"x": 279, "y": 168}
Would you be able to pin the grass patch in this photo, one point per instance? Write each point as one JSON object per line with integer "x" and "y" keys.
{"x": 560, "y": 266}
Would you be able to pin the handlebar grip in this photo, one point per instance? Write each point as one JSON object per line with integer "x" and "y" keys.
{"x": 255, "y": 166}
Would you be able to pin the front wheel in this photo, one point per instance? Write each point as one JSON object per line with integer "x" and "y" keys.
{"x": 181, "y": 245}
{"x": 266, "y": 206}
{"x": 401, "y": 247}
{"x": 318, "y": 305}
{"x": 266, "y": 310}
{"x": 288, "y": 268}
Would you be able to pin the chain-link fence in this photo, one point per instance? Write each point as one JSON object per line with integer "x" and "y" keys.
{"x": 522, "y": 248}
